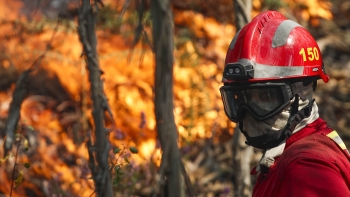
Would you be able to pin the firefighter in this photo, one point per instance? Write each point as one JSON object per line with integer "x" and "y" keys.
{"x": 271, "y": 70}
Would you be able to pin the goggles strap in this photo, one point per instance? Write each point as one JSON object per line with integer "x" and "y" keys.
{"x": 295, "y": 106}
{"x": 273, "y": 139}
{"x": 297, "y": 88}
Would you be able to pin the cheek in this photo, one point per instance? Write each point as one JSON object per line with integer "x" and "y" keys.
{"x": 253, "y": 127}
{"x": 279, "y": 121}
{"x": 257, "y": 128}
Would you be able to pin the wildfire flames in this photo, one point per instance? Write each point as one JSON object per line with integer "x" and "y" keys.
{"x": 56, "y": 116}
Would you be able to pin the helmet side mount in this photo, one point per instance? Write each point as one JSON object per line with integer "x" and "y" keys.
{"x": 238, "y": 71}
{"x": 241, "y": 70}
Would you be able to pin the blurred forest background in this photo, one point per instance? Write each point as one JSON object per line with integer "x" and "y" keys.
{"x": 50, "y": 154}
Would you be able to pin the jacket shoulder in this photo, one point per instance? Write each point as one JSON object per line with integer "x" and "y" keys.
{"x": 315, "y": 153}
{"x": 317, "y": 145}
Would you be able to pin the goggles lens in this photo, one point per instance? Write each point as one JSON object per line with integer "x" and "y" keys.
{"x": 260, "y": 101}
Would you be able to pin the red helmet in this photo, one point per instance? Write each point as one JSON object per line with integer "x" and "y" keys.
{"x": 272, "y": 48}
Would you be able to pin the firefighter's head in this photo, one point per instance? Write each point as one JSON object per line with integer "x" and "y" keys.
{"x": 271, "y": 69}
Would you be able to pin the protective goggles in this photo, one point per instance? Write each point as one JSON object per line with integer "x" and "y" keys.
{"x": 262, "y": 101}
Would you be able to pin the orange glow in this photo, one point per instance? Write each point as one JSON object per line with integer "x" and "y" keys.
{"x": 56, "y": 116}
{"x": 317, "y": 8}
{"x": 9, "y": 10}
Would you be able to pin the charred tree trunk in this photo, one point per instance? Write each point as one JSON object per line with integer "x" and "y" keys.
{"x": 98, "y": 152}
{"x": 242, "y": 154}
{"x": 243, "y": 10}
{"x": 162, "y": 22}
{"x": 20, "y": 93}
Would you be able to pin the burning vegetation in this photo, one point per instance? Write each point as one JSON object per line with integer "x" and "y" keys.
{"x": 49, "y": 156}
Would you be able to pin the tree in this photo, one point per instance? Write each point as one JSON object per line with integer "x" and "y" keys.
{"x": 162, "y": 22}
{"x": 242, "y": 154}
{"x": 98, "y": 152}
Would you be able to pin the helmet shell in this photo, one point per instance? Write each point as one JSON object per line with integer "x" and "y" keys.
{"x": 277, "y": 48}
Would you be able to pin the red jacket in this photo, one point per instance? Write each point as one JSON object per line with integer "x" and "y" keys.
{"x": 312, "y": 165}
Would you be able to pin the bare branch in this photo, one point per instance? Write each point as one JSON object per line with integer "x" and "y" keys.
{"x": 125, "y": 7}
{"x": 140, "y": 4}
{"x": 163, "y": 166}
{"x": 188, "y": 183}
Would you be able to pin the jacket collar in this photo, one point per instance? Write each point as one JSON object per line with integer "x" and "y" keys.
{"x": 319, "y": 125}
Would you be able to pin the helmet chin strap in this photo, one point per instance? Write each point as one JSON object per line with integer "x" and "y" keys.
{"x": 274, "y": 138}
